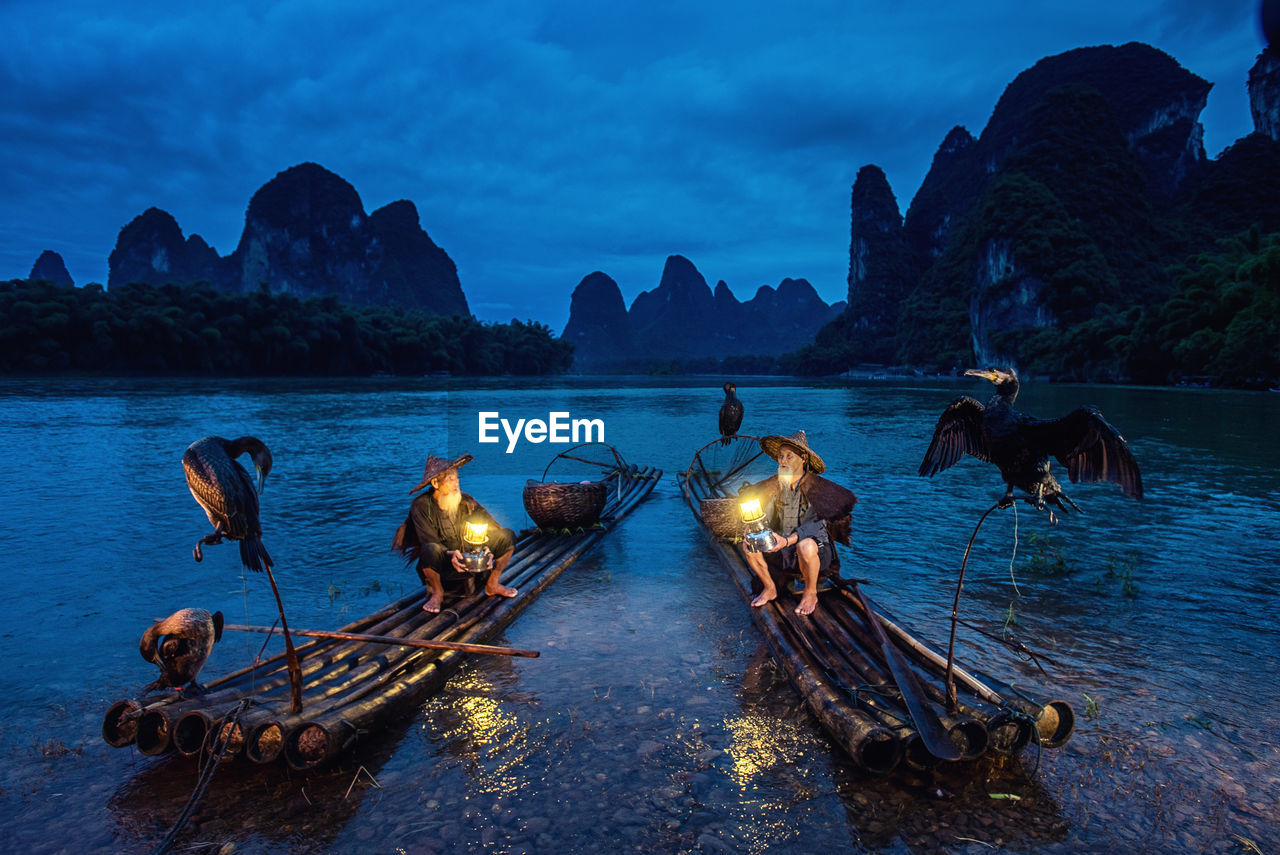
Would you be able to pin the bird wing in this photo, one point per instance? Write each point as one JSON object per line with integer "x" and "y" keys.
{"x": 1090, "y": 449}
{"x": 730, "y": 417}
{"x": 221, "y": 486}
{"x": 959, "y": 432}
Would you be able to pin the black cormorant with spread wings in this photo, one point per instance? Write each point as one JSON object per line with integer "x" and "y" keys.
{"x": 1022, "y": 446}
{"x": 730, "y": 414}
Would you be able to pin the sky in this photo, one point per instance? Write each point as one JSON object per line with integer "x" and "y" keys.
{"x": 540, "y": 140}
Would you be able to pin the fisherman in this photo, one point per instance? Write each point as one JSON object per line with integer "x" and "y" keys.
{"x": 432, "y": 532}
{"x": 807, "y": 512}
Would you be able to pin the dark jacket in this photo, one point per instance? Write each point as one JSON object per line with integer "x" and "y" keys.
{"x": 426, "y": 524}
{"x": 831, "y": 503}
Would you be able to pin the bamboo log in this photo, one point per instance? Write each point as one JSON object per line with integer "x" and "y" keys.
{"x": 926, "y": 720}
{"x": 158, "y": 723}
{"x": 427, "y": 644}
{"x": 969, "y": 732}
{"x": 1054, "y": 720}
{"x": 874, "y": 747}
{"x": 315, "y": 740}
{"x": 870, "y": 744}
{"x": 329, "y": 663}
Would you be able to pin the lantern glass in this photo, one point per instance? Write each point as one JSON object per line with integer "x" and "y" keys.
{"x": 476, "y": 534}
{"x": 751, "y": 511}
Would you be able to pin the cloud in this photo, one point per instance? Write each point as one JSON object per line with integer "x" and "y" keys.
{"x": 539, "y": 141}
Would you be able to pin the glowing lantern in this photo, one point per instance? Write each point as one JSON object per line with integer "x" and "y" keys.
{"x": 476, "y": 534}
{"x": 476, "y": 556}
{"x": 758, "y": 537}
{"x": 751, "y": 511}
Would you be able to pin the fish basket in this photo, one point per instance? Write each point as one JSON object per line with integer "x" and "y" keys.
{"x": 553, "y": 505}
{"x": 722, "y": 516}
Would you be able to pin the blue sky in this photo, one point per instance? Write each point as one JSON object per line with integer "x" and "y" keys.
{"x": 539, "y": 140}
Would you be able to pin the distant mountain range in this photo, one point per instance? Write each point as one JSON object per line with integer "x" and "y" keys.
{"x": 305, "y": 233}
{"x": 682, "y": 319}
{"x": 1057, "y": 240}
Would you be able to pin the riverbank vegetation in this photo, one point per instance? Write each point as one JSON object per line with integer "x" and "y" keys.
{"x": 199, "y": 330}
{"x": 1220, "y": 326}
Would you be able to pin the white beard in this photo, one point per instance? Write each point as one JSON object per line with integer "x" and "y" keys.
{"x": 787, "y": 477}
{"x": 449, "y": 502}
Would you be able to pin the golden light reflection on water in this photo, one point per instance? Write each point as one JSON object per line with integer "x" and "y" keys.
{"x": 768, "y": 766}
{"x": 480, "y": 726}
{"x": 755, "y": 746}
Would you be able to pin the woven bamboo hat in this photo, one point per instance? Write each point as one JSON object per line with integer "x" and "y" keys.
{"x": 772, "y": 446}
{"x": 438, "y": 466}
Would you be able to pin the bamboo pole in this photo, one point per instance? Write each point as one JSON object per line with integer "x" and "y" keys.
{"x": 388, "y": 639}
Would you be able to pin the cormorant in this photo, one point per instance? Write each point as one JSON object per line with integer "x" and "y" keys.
{"x": 227, "y": 494}
{"x": 1021, "y": 445}
{"x": 230, "y": 499}
{"x": 730, "y": 414}
{"x": 180, "y": 644}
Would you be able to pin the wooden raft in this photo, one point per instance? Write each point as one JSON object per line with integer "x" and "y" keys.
{"x": 354, "y": 687}
{"x": 836, "y": 664}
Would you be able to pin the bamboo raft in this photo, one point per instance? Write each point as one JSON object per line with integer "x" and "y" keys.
{"x": 839, "y": 661}
{"x": 355, "y": 686}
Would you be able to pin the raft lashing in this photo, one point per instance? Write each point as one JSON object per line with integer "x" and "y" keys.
{"x": 836, "y": 664}
{"x": 353, "y": 687}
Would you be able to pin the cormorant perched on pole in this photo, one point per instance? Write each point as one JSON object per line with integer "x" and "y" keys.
{"x": 730, "y": 414}
{"x": 1021, "y": 445}
{"x": 230, "y": 499}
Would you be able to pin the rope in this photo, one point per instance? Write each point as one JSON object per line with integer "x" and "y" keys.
{"x": 217, "y": 749}
{"x": 1014, "y": 556}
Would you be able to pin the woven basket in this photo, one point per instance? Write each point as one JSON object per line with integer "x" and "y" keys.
{"x": 722, "y": 516}
{"x": 554, "y": 505}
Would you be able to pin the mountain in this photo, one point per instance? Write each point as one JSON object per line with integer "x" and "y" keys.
{"x": 151, "y": 249}
{"x": 598, "y": 326}
{"x": 880, "y": 271}
{"x": 1264, "y": 95}
{"x": 306, "y": 233}
{"x": 51, "y": 268}
{"x": 1043, "y": 241}
{"x": 683, "y": 319}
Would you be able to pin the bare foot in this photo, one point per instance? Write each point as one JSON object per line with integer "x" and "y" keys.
{"x": 496, "y": 590}
{"x": 433, "y": 604}
{"x": 768, "y": 595}
{"x": 808, "y": 602}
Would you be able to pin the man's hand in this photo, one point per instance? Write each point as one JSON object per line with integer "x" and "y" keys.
{"x": 455, "y": 558}
{"x": 783, "y": 543}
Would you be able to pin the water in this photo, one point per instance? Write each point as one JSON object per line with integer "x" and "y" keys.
{"x": 654, "y": 720}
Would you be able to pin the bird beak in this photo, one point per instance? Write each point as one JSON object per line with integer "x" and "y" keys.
{"x": 262, "y": 478}
{"x": 984, "y": 373}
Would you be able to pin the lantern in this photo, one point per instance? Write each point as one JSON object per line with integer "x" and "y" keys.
{"x": 475, "y": 555}
{"x": 757, "y": 537}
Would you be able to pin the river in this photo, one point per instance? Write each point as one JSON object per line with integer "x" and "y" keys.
{"x": 654, "y": 720}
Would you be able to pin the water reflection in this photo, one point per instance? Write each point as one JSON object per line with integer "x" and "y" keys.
{"x": 249, "y": 805}
{"x": 649, "y": 722}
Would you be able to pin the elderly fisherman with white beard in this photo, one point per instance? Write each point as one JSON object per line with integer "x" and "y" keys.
{"x": 807, "y": 512}
{"x": 433, "y": 531}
